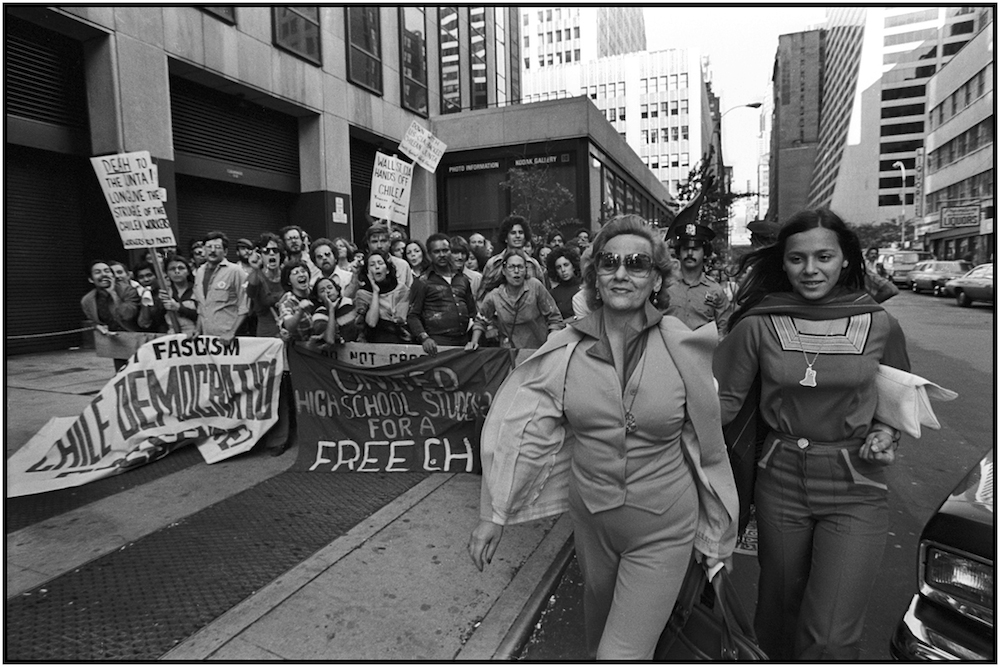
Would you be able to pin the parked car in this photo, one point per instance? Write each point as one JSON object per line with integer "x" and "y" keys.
{"x": 976, "y": 285}
{"x": 897, "y": 264}
{"x": 933, "y": 274}
{"x": 951, "y": 616}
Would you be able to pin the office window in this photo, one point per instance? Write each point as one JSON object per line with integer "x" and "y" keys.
{"x": 652, "y": 84}
{"x": 652, "y": 111}
{"x": 451, "y": 78}
{"x": 664, "y": 108}
{"x": 477, "y": 56}
{"x": 611, "y": 89}
{"x": 593, "y": 92}
{"x": 558, "y": 35}
{"x": 663, "y": 83}
{"x": 684, "y": 132}
{"x": 663, "y": 133}
{"x": 500, "y": 39}
{"x": 566, "y": 34}
{"x": 673, "y": 107}
{"x": 526, "y": 44}
{"x": 673, "y": 81}
{"x": 548, "y": 14}
{"x": 364, "y": 47}
{"x": 654, "y": 136}
{"x": 541, "y": 16}
{"x": 675, "y": 133}
{"x": 569, "y": 56}
{"x": 684, "y": 106}
{"x": 524, "y": 20}
{"x": 413, "y": 58}
{"x": 548, "y": 60}
{"x": 962, "y": 28}
{"x": 643, "y": 86}
{"x": 227, "y": 14}
{"x": 602, "y": 91}
{"x": 685, "y": 160}
{"x": 527, "y": 63}
{"x": 576, "y": 32}
{"x": 951, "y": 49}
{"x": 576, "y": 55}
{"x": 621, "y": 113}
{"x": 673, "y": 160}
{"x": 558, "y": 13}
{"x": 296, "y": 30}
{"x": 548, "y": 38}
{"x": 644, "y": 111}
{"x": 645, "y": 136}
{"x": 559, "y": 56}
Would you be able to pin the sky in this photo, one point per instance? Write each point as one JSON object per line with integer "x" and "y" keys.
{"x": 741, "y": 42}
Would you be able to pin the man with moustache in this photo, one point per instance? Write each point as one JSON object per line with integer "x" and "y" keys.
{"x": 295, "y": 249}
{"x": 112, "y": 305}
{"x": 696, "y": 299}
{"x": 220, "y": 291}
{"x": 442, "y": 302}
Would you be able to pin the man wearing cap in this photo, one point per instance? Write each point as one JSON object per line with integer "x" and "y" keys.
{"x": 244, "y": 248}
{"x": 696, "y": 299}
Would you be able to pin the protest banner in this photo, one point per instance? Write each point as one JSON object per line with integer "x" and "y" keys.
{"x": 423, "y": 147}
{"x": 130, "y": 186}
{"x": 383, "y": 354}
{"x": 390, "y": 194}
{"x": 175, "y": 390}
{"x": 422, "y": 414}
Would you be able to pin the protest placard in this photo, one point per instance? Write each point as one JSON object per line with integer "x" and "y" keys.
{"x": 130, "y": 186}
{"x": 390, "y": 194}
{"x": 422, "y": 414}
{"x": 175, "y": 390}
{"x": 423, "y": 147}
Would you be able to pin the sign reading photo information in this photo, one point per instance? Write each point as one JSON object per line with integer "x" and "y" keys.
{"x": 130, "y": 185}
{"x": 174, "y": 391}
{"x": 390, "y": 195}
{"x": 422, "y": 414}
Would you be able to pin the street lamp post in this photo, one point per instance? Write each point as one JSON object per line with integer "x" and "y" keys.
{"x": 720, "y": 175}
{"x": 902, "y": 201}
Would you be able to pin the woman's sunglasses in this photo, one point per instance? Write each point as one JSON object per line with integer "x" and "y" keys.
{"x": 269, "y": 251}
{"x": 637, "y": 264}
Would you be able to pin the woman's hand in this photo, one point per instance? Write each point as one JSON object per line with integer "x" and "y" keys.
{"x": 879, "y": 447}
{"x": 169, "y": 303}
{"x": 373, "y": 284}
{"x": 483, "y": 542}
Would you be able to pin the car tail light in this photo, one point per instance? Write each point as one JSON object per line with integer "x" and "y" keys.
{"x": 958, "y": 580}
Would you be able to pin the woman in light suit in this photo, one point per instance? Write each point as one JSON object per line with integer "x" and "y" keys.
{"x": 616, "y": 418}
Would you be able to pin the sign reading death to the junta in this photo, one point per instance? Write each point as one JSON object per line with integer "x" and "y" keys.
{"x": 422, "y": 146}
{"x": 131, "y": 187}
{"x": 391, "y": 180}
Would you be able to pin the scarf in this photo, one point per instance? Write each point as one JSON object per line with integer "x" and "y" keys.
{"x": 839, "y": 303}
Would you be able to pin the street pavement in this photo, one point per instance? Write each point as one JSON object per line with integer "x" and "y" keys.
{"x": 396, "y": 584}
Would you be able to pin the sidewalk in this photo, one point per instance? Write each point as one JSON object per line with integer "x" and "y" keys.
{"x": 398, "y": 585}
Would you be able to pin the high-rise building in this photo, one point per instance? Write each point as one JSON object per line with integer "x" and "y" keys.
{"x": 873, "y": 103}
{"x": 795, "y": 125}
{"x": 553, "y": 36}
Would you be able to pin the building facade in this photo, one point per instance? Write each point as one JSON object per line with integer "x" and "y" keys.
{"x": 795, "y": 126}
{"x": 553, "y": 36}
{"x": 887, "y": 55}
{"x": 955, "y": 180}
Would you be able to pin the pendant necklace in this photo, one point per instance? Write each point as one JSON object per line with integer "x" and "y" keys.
{"x": 810, "y": 377}
{"x": 630, "y": 423}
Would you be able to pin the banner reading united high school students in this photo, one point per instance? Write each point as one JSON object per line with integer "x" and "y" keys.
{"x": 175, "y": 390}
{"x": 423, "y": 414}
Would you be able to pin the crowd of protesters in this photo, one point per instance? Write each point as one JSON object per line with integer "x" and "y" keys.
{"x": 441, "y": 291}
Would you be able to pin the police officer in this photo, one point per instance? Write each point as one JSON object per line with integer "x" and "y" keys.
{"x": 696, "y": 299}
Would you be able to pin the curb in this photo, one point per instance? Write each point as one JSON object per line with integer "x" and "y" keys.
{"x": 523, "y": 626}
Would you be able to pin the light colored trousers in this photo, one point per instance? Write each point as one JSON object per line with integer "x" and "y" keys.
{"x": 633, "y": 564}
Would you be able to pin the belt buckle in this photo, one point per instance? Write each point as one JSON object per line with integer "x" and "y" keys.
{"x": 802, "y": 443}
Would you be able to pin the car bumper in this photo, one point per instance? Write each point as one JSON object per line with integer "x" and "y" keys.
{"x": 928, "y": 633}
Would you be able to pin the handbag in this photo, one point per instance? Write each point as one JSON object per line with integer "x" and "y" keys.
{"x": 904, "y": 400}
{"x": 744, "y": 440}
{"x": 708, "y": 622}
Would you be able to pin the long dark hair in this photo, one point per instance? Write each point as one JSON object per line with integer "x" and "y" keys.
{"x": 389, "y": 283}
{"x": 766, "y": 266}
{"x": 571, "y": 255}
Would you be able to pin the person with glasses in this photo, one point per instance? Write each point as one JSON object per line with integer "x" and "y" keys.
{"x": 264, "y": 284}
{"x": 523, "y": 311}
{"x": 220, "y": 290}
{"x": 295, "y": 241}
{"x": 616, "y": 419}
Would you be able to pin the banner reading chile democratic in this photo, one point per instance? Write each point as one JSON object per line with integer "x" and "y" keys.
{"x": 424, "y": 414}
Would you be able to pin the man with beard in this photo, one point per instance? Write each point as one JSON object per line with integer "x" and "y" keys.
{"x": 112, "y": 305}
{"x": 295, "y": 250}
{"x": 324, "y": 254}
{"x": 441, "y": 303}
{"x": 696, "y": 299}
{"x": 220, "y": 291}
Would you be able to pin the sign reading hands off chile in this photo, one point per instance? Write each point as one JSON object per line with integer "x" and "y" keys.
{"x": 131, "y": 187}
{"x": 174, "y": 391}
{"x": 422, "y": 414}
